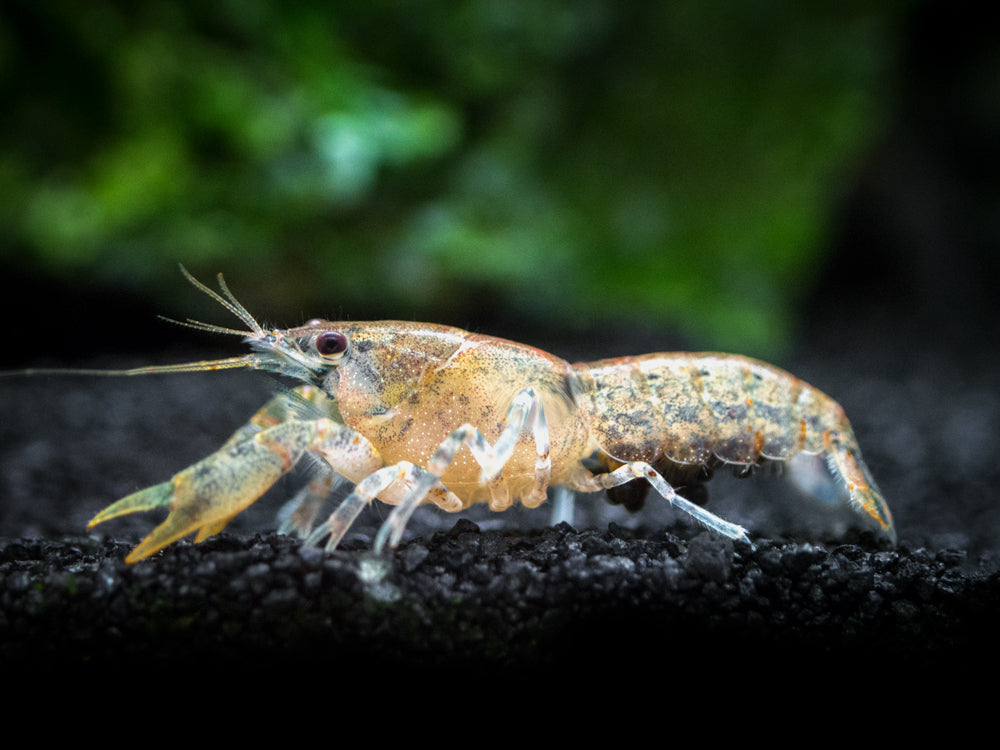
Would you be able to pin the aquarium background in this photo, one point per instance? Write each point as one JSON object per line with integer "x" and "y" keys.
{"x": 711, "y": 175}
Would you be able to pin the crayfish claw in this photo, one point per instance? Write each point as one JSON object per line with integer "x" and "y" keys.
{"x": 180, "y": 522}
{"x": 210, "y": 530}
{"x": 164, "y": 534}
{"x": 157, "y": 496}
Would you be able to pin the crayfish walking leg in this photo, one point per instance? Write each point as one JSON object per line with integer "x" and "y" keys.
{"x": 642, "y": 470}
{"x": 525, "y": 409}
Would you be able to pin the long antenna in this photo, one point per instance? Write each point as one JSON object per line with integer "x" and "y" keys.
{"x": 251, "y": 361}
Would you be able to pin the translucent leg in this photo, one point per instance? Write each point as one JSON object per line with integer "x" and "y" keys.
{"x": 642, "y": 470}
{"x": 347, "y": 512}
{"x": 525, "y": 409}
{"x": 563, "y": 505}
{"x": 390, "y": 482}
{"x": 417, "y": 483}
{"x": 298, "y": 516}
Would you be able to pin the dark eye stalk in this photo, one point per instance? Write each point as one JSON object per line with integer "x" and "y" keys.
{"x": 330, "y": 343}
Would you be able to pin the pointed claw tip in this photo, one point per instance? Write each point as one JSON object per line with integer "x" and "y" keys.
{"x": 138, "y": 555}
{"x": 102, "y": 517}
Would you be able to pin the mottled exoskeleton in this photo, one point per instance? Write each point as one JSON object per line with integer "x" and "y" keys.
{"x": 413, "y": 413}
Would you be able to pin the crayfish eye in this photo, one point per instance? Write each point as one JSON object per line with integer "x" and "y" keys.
{"x": 330, "y": 343}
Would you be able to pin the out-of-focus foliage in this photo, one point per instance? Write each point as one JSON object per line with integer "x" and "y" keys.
{"x": 581, "y": 161}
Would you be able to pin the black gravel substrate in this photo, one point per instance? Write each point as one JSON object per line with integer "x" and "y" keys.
{"x": 502, "y": 600}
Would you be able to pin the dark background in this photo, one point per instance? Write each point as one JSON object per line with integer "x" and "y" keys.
{"x": 815, "y": 186}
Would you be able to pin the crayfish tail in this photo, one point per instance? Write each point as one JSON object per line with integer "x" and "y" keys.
{"x": 850, "y": 469}
{"x": 872, "y": 502}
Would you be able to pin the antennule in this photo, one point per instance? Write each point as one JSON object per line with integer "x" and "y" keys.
{"x": 230, "y": 303}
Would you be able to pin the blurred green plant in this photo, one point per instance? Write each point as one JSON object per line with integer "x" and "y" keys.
{"x": 580, "y": 162}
